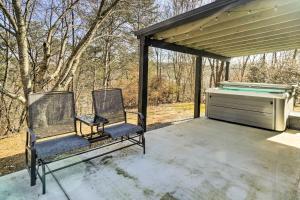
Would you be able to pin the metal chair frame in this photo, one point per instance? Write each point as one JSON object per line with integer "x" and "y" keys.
{"x": 33, "y": 162}
{"x": 140, "y": 117}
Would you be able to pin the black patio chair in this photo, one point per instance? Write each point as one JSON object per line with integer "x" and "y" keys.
{"x": 50, "y": 115}
{"x": 108, "y": 104}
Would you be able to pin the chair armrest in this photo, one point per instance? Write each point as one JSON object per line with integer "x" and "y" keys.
{"x": 101, "y": 119}
{"x": 31, "y": 137}
{"x": 140, "y": 116}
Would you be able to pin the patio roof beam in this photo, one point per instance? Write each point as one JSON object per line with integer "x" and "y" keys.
{"x": 182, "y": 49}
{"x": 198, "y": 86}
{"x": 143, "y": 81}
{"x": 227, "y": 71}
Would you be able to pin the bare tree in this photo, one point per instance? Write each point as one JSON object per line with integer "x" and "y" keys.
{"x": 244, "y": 66}
{"x": 19, "y": 21}
{"x": 216, "y": 72}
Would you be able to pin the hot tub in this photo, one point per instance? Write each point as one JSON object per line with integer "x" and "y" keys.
{"x": 255, "y": 104}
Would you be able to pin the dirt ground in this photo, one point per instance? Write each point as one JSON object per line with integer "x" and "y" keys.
{"x": 12, "y": 148}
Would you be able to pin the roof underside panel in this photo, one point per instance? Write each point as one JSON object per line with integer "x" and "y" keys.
{"x": 201, "y": 12}
{"x": 241, "y": 28}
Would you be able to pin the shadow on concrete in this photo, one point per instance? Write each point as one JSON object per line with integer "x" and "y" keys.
{"x": 17, "y": 162}
{"x": 165, "y": 124}
{"x": 12, "y": 164}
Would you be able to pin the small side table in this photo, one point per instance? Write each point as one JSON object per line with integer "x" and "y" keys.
{"x": 91, "y": 121}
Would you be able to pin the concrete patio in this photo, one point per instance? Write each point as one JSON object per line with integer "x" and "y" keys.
{"x": 198, "y": 159}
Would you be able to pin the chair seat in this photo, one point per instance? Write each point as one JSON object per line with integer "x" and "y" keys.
{"x": 54, "y": 147}
{"x": 122, "y": 130}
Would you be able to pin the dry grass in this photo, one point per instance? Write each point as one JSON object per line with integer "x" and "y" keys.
{"x": 168, "y": 113}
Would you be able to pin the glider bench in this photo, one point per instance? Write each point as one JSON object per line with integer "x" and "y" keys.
{"x": 52, "y": 134}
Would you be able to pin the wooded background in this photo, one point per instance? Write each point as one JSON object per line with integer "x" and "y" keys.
{"x": 82, "y": 45}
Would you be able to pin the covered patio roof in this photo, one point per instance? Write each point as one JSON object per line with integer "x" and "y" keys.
{"x": 221, "y": 30}
{"x": 232, "y": 28}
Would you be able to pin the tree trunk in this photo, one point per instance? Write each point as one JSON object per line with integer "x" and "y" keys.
{"x": 295, "y": 54}
{"x": 21, "y": 36}
{"x": 245, "y": 62}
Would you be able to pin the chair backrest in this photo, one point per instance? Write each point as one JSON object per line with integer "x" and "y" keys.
{"x": 108, "y": 103}
{"x": 51, "y": 113}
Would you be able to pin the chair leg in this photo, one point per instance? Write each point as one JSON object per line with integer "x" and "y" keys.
{"x": 144, "y": 143}
{"x": 32, "y": 167}
{"x": 44, "y": 178}
{"x": 80, "y": 129}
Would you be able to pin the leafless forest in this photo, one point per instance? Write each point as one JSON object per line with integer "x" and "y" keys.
{"x": 82, "y": 45}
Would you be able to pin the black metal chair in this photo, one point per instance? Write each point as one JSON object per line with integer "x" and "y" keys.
{"x": 108, "y": 104}
{"x": 52, "y": 133}
{"x": 49, "y": 115}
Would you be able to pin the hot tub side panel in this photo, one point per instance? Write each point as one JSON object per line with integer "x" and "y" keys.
{"x": 253, "y": 111}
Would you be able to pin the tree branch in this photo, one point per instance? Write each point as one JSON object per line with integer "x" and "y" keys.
{"x": 8, "y": 45}
{"x": 69, "y": 8}
{"x": 59, "y": 64}
{"x": 12, "y": 95}
{"x": 8, "y": 30}
{"x": 27, "y": 7}
{"x": 73, "y": 60}
{"x": 295, "y": 54}
{"x": 28, "y": 19}
{"x": 8, "y": 15}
